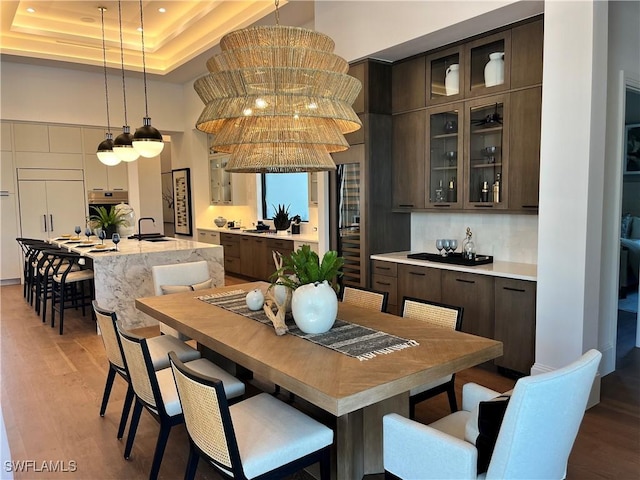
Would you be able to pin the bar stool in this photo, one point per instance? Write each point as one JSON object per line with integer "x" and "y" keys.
{"x": 71, "y": 285}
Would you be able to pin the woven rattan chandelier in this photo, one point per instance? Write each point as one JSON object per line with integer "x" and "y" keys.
{"x": 278, "y": 100}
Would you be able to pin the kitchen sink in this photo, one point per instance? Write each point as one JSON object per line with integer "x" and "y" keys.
{"x": 158, "y": 239}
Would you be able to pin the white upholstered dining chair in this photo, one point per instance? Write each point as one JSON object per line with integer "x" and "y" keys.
{"x": 179, "y": 277}
{"x": 534, "y": 440}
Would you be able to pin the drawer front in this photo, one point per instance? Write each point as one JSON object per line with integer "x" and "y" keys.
{"x": 383, "y": 283}
{"x": 378, "y": 267}
{"x": 231, "y": 244}
{"x": 475, "y": 293}
{"x": 280, "y": 245}
{"x": 231, "y": 264}
{"x": 419, "y": 282}
{"x": 205, "y": 236}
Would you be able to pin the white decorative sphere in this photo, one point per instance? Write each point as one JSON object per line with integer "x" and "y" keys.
{"x": 255, "y": 299}
{"x": 314, "y": 307}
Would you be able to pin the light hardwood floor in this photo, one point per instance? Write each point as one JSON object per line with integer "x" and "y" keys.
{"x": 51, "y": 388}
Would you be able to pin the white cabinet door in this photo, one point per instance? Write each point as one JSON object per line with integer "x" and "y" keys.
{"x": 33, "y": 209}
{"x": 31, "y": 137}
{"x": 6, "y": 142}
{"x": 7, "y": 172}
{"x": 10, "y": 267}
{"x": 50, "y": 208}
{"x": 117, "y": 176}
{"x": 66, "y": 206}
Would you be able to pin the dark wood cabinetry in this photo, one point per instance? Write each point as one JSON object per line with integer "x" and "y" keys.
{"x": 409, "y": 160}
{"x": 362, "y": 221}
{"x": 515, "y": 323}
{"x": 475, "y": 293}
{"x": 384, "y": 278}
{"x": 253, "y": 251}
{"x": 408, "y": 85}
{"x": 419, "y": 282}
{"x": 231, "y": 245}
{"x": 494, "y": 307}
{"x": 524, "y": 149}
{"x": 496, "y": 122}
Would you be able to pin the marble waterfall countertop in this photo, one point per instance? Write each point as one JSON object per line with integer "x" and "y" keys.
{"x": 518, "y": 271}
{"x": 121, "y": 277}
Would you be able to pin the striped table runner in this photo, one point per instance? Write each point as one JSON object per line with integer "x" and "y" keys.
{"x": 348, "y": 338}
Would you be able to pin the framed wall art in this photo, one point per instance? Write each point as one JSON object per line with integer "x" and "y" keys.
{"x": 182, "y": 201}
{"x": 632, "y": 150}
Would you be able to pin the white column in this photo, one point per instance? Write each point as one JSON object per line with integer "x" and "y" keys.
{"x": 571, "y": 181}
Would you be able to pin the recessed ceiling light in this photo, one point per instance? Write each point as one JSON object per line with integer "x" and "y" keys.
{"x": 139, "y": 29}
{"x": 162, "y": 10}
{"x": 31, "y": 10}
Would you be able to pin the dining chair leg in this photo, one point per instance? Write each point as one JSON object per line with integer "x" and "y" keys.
{"x": 133, "y": 426}
{"x": 192, "y": 463}
{"x": 126, "y": 408}
{"x": 325, "y": 464}
{"x": 107, "y": 390}
{"x": 451, "y": 393}
{"x": 163, "y": 436}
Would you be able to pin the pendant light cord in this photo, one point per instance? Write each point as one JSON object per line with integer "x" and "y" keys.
{"x": 124, "y": 92}
{"x": 104, "y": 62}
{"x": 277, "y": 12}
{"x": 144, "y": 67}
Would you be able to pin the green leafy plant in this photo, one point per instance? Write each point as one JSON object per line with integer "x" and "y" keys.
{"x": 303, "y": 266}
{"x": 103, "y": 218}
{"x": 281, "y": 218}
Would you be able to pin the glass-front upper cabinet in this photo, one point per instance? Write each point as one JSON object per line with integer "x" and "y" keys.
{"x": 445, "y": 156}
{"x": 489, "y": 64}
{"x": 487, "y": 152}
{"x": 445, "y": 76}
{"x": 219, "y": 179}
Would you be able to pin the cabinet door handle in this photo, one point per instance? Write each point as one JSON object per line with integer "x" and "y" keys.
{"x": 51, "y": 221}
{"x": 529, "y": 206}
{"x": 441, "y": 205}
{"x": 488, "y": 205}
{"x": 383, "y": 268}
{"x": 44, "y": 218}
{"x": 514, "y": 289}
{"x": 383, "y": 283}
{"x": 418, "y": 274}
{"x": 464, "y": 281}
{"x": 406, "y": 205}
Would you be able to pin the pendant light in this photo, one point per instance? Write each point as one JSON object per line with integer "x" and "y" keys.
{"x": 147, "y": 140}
{"x": 278, "y": 100}
{"x": 105, "y": 149}
{"x": 122, "y": 145}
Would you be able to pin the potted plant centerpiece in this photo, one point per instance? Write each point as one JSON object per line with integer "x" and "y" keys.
{"x": 281, "y": 219}
{"x": 314, "y": 302}
{"x": 107, "y": 220}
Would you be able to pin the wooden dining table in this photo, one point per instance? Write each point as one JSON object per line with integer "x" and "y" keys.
{"x": 358, "y": 393}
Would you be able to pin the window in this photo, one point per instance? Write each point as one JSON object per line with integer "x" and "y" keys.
{"x": 290, "y": 189}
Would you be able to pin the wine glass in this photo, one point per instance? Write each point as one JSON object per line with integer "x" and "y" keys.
{"x": 453, "y": 244}
{"x": 78, "y": 230}
{"x": 87, "y": 232}
{"x": 439, "y": 245}
{"x": 102, "y": 235}
{"x": 446, "y": 245}
{"x": 115, "y": 238}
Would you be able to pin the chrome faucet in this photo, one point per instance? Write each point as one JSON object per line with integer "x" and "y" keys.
{"x": 140, "y": 221}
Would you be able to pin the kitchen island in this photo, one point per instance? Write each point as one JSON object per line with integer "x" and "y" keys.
{"x": 124, "y": 275}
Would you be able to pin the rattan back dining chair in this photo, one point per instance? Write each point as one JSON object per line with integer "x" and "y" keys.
{"x": 365, "y": 298}
{"x": 155, "y": 391}
{"x": 159, "y": 347}
{"x": 441, "y": 315}
{"x": 261, "y": 437}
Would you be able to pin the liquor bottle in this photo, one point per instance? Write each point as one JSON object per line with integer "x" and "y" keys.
{"x": 468, "y": 247}
{"x": 484, "y": 192}
{"x": 451, "y": 192}
{"x": 496, "y": 189}
{"x": 440, "y": 193}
